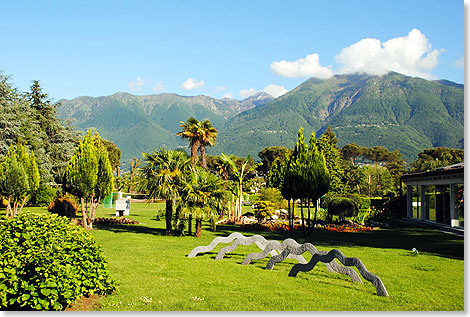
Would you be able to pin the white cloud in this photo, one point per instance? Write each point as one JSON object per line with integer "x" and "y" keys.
{"x": 303, "y": 67}
{"x": 136, "y": 85}
{"x": 409, "y": 55}
{"x": 191, "y": 83}
{"x": 221, "y": 88}
{"x": 460, "y": 63}
{"x": 158, "y": 87}
{"x": 245, "y": 93}
{"x": 228, "y": 95}
{"x": 275, "y": 90}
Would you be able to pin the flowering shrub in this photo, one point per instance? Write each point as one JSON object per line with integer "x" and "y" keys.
{"x": 114, "y": 221}
{"x": 271, "y": 226}
{"x": 343, "y": 228}
{"x": 284, "y": 226}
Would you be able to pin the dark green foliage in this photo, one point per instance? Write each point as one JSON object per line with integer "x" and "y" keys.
{"x": 63, "y": 207}
{"x": 47, "y": 263}
{"x": 30, "y": 118}
{"x": 275, "y": 176}
{"x": 269, "y": 154}
{"x": 43, "y": 196}
{"x": 362, "y": 202}
{"x": 431, "y": 159}
{"x": 114, "y": 154}
{"x": 326, "y": 144}
{"x": 342, "y": 207}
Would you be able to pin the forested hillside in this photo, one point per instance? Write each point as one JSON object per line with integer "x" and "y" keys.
{"x": 140, "y": 123}
{"x": 395, "y": 111}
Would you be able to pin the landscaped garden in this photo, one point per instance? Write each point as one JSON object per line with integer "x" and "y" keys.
{"x": 153, "y": 271}
{"x": 62, "y": 249}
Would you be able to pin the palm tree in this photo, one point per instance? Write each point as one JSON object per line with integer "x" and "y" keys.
{"x": 191, "y": 131}
{"x": 200, "y": 134}
{"x": 204, "y": 195}
{"x": 163, "y": 177}
{"x": 208, "y": 138}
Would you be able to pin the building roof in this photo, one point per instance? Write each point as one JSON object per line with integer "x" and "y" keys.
{"x": 446, "y": 170}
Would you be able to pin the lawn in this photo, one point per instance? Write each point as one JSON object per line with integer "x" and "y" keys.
{"x": 154, "y": 273}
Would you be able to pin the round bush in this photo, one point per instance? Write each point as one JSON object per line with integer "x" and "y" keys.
{"x": 342, "y": 207}
{"x": 47, "y": 263}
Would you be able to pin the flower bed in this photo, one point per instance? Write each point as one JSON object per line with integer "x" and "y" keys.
{"x": 344, "y": 228}
{"x": 284, "y": 226}
{"x": 115, "y": 221}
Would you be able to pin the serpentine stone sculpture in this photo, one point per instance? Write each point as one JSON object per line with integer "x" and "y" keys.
{"x": 293, "y": 248}
{"x": 261, "y": 242}
{"x": 214, "y": 243}
{"x": 326, "y": 257}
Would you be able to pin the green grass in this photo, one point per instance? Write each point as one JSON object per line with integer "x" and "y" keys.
{"x": 154, "y": 273}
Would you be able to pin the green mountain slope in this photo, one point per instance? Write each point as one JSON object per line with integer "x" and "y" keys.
{"x": 395, "y": 111}
{"x": 141, "y": 123}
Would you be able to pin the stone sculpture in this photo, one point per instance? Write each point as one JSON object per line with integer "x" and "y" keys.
{"x": 214, "y": 243}
{"x": 298, "y": 249}
{"x": 327, "y": 257}
{"x": 262, "y": 243}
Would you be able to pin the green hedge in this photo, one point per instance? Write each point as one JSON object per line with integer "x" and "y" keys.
{"x": 47, "y": 263}
{"x": 342, "y": 207}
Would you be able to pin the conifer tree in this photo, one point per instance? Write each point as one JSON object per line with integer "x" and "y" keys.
{"x": 317, "y": 174}
{"x": 327, "y": 145}
{"x": 88, "y": 176}
{"x": 19, "y": 177}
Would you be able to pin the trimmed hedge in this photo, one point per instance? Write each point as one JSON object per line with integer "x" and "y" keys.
{"x": 342, "y": 207}
{"x": 47, "y": 263}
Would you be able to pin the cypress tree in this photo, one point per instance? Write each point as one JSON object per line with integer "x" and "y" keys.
{"x": 88, "y": 175}
{"x": 317, "y": 175}
{"x": 19, "y": 177}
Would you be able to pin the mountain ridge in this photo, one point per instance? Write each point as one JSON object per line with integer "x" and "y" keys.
{"x": 392, "y": 110}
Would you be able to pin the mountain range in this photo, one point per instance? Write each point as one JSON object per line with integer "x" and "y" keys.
{"x": 395, "y": 111}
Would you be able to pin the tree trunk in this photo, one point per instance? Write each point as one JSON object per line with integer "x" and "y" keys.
{"x": 315, "y": 216}
{"x": 302, "y": 216}
{"x": 289, "y": 213}
{"x": 84, "y": 215}
{"x": 168, "y": 215}
{"x": 198, "y": 226}
{"x": 202, "y": 149}
{"x": 292, "y": 217}
{"x": 194, "y": 148}
{"x": 308, "y": 217}
{"x": 8, "y": 211}
{"x": 239, "y": 214}
{"x": 190, "y": 223}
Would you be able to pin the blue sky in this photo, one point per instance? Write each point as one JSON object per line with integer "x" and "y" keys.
{"x": 223, "y": 48}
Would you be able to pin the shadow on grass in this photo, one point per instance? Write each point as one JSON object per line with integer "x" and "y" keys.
{"x": 406, "y": 238}
{"x": 132, "y": 229}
